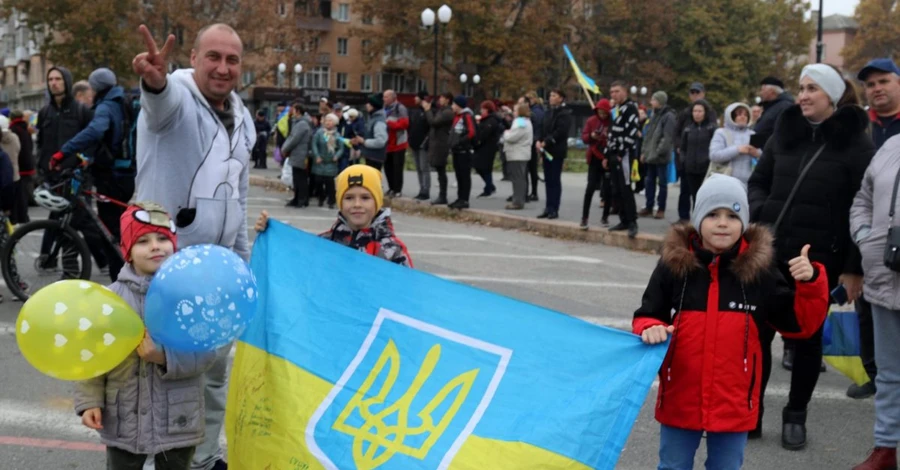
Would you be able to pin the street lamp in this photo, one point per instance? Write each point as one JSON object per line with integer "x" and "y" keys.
{"x": 463, "y": 78}
{"x": 443, "y": 16}
{"x": 476, "y": 79}
{"x": 281, "y": 69}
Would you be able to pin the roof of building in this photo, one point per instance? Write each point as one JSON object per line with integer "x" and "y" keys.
{"x": 838, "y": 22}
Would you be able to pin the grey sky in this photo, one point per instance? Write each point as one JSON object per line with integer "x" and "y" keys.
{"x": 830, "y": 7}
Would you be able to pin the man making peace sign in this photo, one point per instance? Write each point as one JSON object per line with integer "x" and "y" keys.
{"x": 194, "y": 142}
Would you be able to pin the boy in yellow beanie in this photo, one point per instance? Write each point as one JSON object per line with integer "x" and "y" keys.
{"x": 362, "y": 224}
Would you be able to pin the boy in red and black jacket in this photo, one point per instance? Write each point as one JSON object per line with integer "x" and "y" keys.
{"x": 596, "y": 134}
{"x": 714, "y": 288}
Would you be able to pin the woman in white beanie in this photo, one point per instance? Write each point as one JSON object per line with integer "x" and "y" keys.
{"x": 819, "y": 152}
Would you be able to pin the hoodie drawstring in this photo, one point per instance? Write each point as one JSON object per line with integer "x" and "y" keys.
{"x": 675, "y": 333}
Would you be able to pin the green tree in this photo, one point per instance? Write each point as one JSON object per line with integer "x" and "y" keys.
{"x": 878, "y": 34}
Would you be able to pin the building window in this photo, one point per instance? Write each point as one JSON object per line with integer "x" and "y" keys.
{"x": 367, "y": 20}
{"x": 341, "y": 79}
{"x": 281, "y": 9}
{"x": 310, "y": 46}
{"x": 365, "y": 83}
{"x": 247, "y": 77}
{"x": 342, "y": 13}
{"x": 342, "y": 46}
{"x": 318, "y": 77}
{"x": 366, "y": 45}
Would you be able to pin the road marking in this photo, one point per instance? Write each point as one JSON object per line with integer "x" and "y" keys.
{"x": 16, "y": 414}
{"x": 265, "y": 199}
{"x": 445, "y": 236}
{"x": 546, "y": 282}
{"x": 302, "y": 217}
{"x": 460, "y": 254}
{"x": 51, "y": 444}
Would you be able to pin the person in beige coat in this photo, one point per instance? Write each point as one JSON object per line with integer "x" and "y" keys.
{"x": 517, "y": 143}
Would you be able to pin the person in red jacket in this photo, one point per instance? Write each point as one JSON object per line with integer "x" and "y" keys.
{"x": 594, "y": 134}
{"x": 398, "y": 141}
{"x": 714, "y": 288}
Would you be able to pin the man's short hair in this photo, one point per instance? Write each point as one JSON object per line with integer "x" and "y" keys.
{"x": 80, "y": 86}
{"x": 297, "y": 106}
{"x": 559, "y": 92}
{"x": 619, "y": 83}
{"x": 206, "y": 28}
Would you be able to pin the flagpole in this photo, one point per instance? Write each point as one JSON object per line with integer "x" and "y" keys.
{"x": 588, "y": 96}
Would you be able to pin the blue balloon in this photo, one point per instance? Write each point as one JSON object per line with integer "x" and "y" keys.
{"x": 202, "y": 298}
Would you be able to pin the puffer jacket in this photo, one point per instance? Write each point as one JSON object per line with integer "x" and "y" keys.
{"x": 463, "y": 132}
{"x": 870, "y": 221}
{"x": 710, "y": 378}
{"x": 659, "y": 139}
{"x": 695, "y": 139}
{"x": 148, "y": 408}
{"x": 518, "y": 140}
{"x": 487, "y": 141}
{"x": 820, "y": 212}
{"x": 378, "y": 239}
{"x": 725, "y": 142}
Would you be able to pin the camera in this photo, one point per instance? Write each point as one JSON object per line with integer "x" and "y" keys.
{"x": 892, "y": 249}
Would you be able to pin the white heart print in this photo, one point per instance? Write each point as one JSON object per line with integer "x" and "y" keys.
{"x": 108, "y": 339}
{"x": 231, "y": 306}
{"x": 84, "y": 324}
{"x": 59, "y": 340}
{"x": 107, "y": 310}
{"x": 186, "y": 309}
{"x": 60, "y": 308}
{"x": 86, "y": 355}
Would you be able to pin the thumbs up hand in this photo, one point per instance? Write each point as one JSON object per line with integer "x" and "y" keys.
{"x": 801, "y": 269}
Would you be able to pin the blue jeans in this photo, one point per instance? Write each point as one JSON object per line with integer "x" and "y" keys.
{"x": 725, "y": 450}
{"x": 654, "y": 173}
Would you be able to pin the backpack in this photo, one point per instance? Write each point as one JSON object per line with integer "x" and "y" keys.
{"x": 722, "y": 168}
{"x": 127, "y": 163}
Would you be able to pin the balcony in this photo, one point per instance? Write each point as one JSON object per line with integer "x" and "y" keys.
{"x": 312, "y": 59}
{"x": 400, "y": 62}
{"x": 22, "y": 54}
{"x": 314, "y": 23}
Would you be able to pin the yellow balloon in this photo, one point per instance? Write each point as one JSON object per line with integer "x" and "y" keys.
{"x": 77, "y": 330}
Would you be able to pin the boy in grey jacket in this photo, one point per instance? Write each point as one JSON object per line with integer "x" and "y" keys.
{"x": 151, "y": 403}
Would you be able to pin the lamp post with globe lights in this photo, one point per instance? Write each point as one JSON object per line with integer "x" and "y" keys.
{"x": 282, "y": 67}
{"x": 428, "y": 20}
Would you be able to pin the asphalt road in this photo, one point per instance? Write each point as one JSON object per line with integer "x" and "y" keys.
{"x": 599, "y": 284}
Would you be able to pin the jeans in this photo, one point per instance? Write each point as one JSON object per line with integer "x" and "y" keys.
{"x": 301, "y": 189}
{"x": 725, "y": 450}
{"x": 423, "y": 170}
{"x": 462, "y": 163}
{"x": 488, "y": 177}
{"x": 595, "y": 179}
{"x": 886, "y": 324}
{"x": 654, "y": 173}
{"x": 518, "y": 175}
{"x": 393, "y": 169}
{"x": 216, "y": 379}
{"x": 553, "y": 183}
{"x": 174, "y": 459}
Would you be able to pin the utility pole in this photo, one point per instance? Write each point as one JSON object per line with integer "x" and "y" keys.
{"x": 819, "y": 45}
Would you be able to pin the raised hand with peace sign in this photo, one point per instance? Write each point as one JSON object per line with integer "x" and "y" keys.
{"x": 151, "y": 65}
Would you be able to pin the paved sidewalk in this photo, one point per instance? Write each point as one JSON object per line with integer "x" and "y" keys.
{"x": 492, "y": 209}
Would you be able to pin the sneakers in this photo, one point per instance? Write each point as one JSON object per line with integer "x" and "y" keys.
{"x": 620, "y": 227}
{"x": 422, "y": 197}
{"x": 440, "y": 201}
{"x": 859, "y": 392}
{"x": 881, "y": 458}
{"x": 604, "y": 222}
{"x": 583, "y": 225}
{"x": 632, "y": 230}
{"x": 533, "y": 198}
{"x": 645, "y": 213}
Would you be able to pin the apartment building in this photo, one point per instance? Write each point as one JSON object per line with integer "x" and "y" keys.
{"x": 837, "y": 32}
{"x": 23, "y": 76}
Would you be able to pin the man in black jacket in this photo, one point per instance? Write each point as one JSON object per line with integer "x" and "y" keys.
{"x": 418, "y": 139}
{"x": 553, "y": 146}
{"x": 774, "y": 101}
{"x": 620, "y": 149}
{"x": 61, "y": 119}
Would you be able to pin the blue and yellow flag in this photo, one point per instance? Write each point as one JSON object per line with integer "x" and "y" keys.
{"x": 840, "y": 343}
{"x": 586, "y": 82}
{"x": 283, "y": 122}
{"x": 353, "y": 362}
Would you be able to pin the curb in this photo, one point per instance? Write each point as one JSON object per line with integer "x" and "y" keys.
{"x": 545, "y": 228}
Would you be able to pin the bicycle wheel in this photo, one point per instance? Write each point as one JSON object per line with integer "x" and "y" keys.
{"x": 40, "y": 253}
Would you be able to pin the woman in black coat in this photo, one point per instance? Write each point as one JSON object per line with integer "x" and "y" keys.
{"x": 440, "y": 120}
{"x": 487, "y": 143}
{"x": 693, "y": 160}
{"x": 835, "y": 135}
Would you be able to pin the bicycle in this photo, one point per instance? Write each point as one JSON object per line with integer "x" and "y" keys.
{"x": 59, "y": 251}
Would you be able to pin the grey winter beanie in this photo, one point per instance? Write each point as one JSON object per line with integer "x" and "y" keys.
{"x": 662, "y": 97}
{"x": 102, "y": 79}
{"x": 721, "y": 191}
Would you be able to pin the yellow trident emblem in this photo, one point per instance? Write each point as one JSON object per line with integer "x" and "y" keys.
{"x": 390, "y": 439}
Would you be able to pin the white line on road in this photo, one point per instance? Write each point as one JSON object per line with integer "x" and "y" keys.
{"x": 459, "y": 254}
{"x": 546, "y": 282}
{"x": 444, "y": 236}
{"x": 287, "y": 218}
{"x": 21, "y": 414}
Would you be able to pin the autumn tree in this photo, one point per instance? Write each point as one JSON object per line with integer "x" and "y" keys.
{"x": 73, "y": 37}
{"x": 878, "y": 34}
{"x": 510, "y": 44}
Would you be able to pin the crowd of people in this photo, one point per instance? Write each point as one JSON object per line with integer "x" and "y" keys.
{"x": 782, "y": 206}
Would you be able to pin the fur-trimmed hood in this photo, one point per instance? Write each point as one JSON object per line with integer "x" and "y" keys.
{"x": 753, "y": 257}
{"x": 839, "y": 130}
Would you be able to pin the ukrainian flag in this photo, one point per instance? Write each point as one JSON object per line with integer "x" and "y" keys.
{"x": 586, "y": 82}
{"x": 353, "y": 362}
{"x": 283, "y": 122}
{"x": 840, "y": 343}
